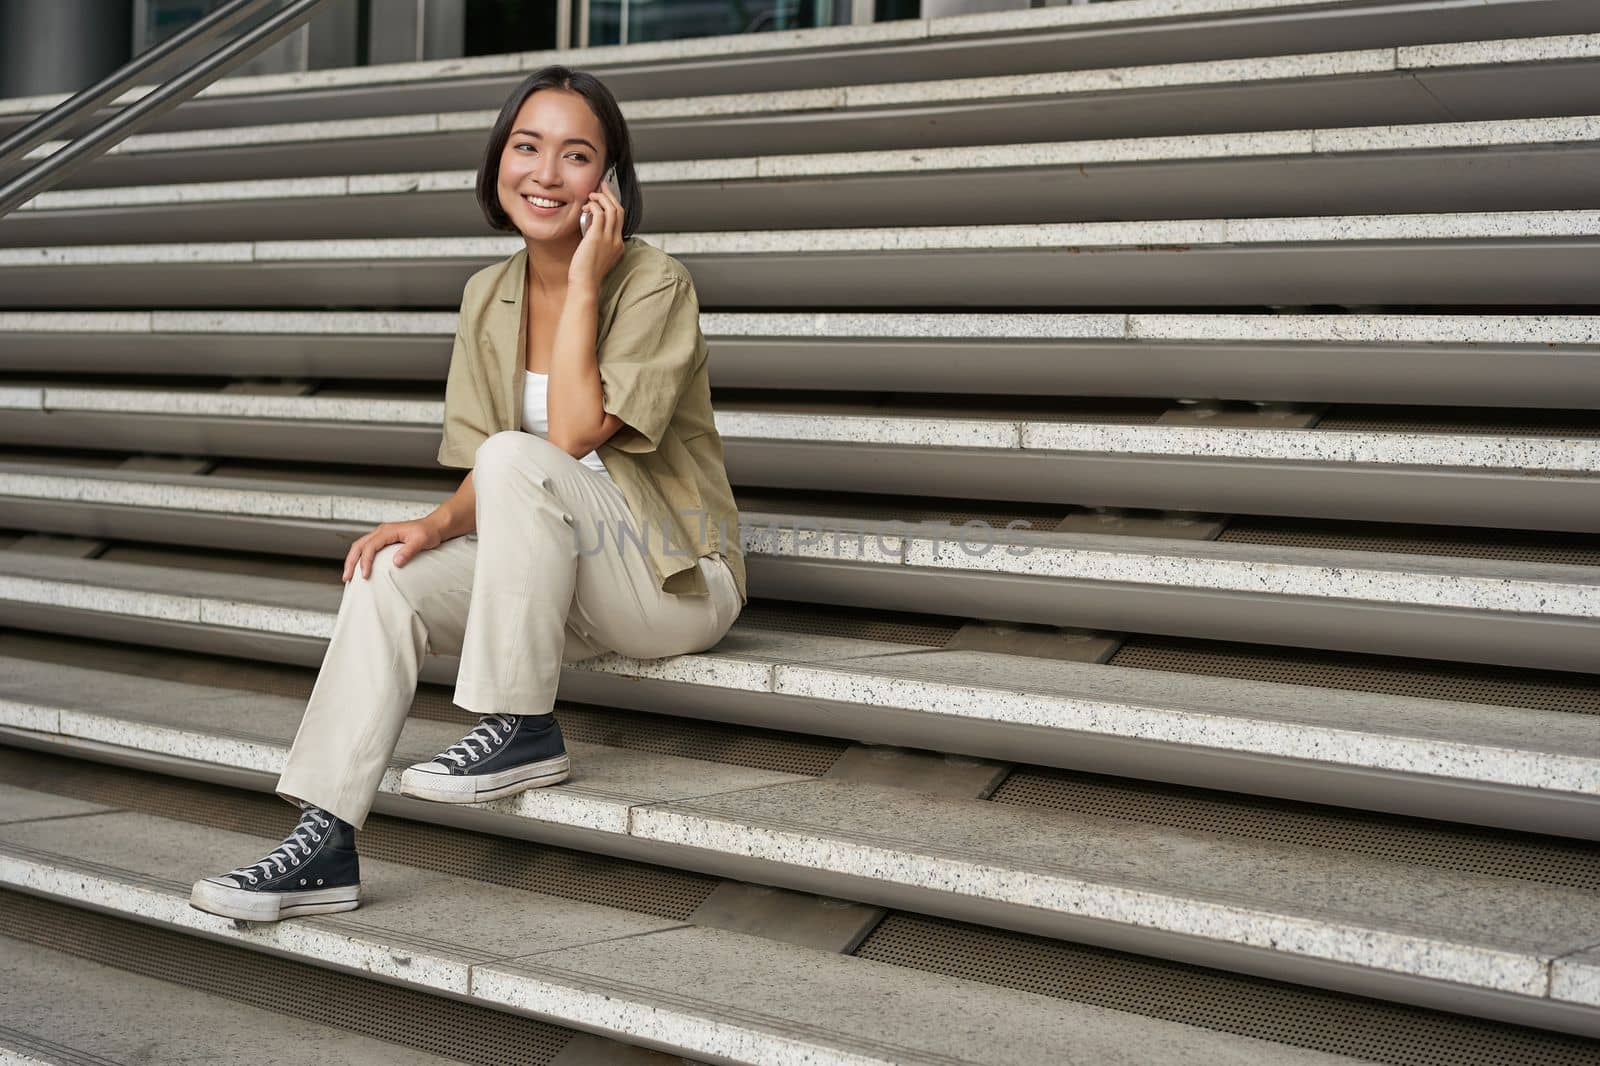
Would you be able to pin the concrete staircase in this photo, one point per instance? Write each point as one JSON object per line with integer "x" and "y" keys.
{"x": 1257, "y": 338}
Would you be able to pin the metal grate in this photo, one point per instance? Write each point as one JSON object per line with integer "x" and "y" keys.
{"x": 567, "y": 874}
{"x": 1419, "y": 841}
{"x": 900, "y": 627}
{"x": 1545, "y": 690}
{"x": 1499, "y": 421}
{"x": 1333, "y": 1022}
{"x": 1572, "y": 549}
{"x": 458, "y": 1031}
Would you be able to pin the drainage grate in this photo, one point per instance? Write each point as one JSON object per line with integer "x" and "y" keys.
{"x": 900, "y": 627}
{"x": 1334, "y": 1022}
{"x": 1571, "y": 549}
{"x": 1421, "y": 841}
{"x": 459, "y": 1031}
{"x": 1499, "y": 421}
{"x": 1545, "y": 690}
{"x": 568, "y": 874}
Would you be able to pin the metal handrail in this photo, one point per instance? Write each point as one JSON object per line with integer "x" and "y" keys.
{"x": 108, "y": 88}
{"x": 56, "y": 166}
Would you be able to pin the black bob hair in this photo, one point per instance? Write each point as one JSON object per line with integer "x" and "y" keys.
{"x": 618, "y": 146}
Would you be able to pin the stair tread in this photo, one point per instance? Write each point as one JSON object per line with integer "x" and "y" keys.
{"x": 1471, "y": 928}
{"x": 698, "y": 990}
{"x": 1540, "y": 131}
{"x": 62, "y": 1008}
{"x": 1521, "y": 747}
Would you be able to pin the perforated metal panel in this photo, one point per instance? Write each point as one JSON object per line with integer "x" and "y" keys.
{"x": 901, "y": 627}
{"x": 1373, "y": 418}
{"x": 460, "y": 1031}
{"x": 1545, "y": 690}
{"x": 1572, "y": 549}
{"x": 1303, "y": 1017}
{"x": 1445, "y": 845}
{"x": 576, "y": 875}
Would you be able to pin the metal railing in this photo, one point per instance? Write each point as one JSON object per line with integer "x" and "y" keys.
{"x": 161, "y": 99}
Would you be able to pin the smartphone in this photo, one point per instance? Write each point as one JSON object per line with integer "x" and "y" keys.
{"x": 613, "y": 188}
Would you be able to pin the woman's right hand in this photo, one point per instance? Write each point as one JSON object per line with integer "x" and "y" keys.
{"x": 415, "y": 536}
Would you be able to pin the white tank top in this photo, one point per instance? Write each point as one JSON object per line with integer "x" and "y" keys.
{"x": 536, "y": 416}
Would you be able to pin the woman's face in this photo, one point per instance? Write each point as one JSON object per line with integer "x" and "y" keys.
{"x": 556, "y": 151}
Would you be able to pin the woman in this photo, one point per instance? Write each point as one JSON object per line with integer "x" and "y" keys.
{"x": 596, "y": 515}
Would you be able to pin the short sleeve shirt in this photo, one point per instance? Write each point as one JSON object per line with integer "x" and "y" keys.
{"x": 667, "y": 459}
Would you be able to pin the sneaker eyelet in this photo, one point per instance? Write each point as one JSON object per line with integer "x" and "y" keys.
{"x": 302, "y": 881}
{"x": 319, "y": 880}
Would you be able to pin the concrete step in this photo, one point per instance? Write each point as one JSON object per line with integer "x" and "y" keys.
{"x": 680, "y": 988}
{"x": 1499, "y": 949}
{"x": 1539, "y": 476}
{"x": 1514, "y": 164}
{"x": 1540, "y": 257}
{"x": 65, "y": 1009}
{"x": 1355, "y": 357}
{"x": 1132, "y": 32}
{"x": 1528, "y": 614}
{"x": 1518, "y": 768}
{"x": 1475, "y": 80}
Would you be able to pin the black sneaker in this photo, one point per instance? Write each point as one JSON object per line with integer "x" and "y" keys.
{"x": 314, "y": 871}
{"x": 504, "y": 755}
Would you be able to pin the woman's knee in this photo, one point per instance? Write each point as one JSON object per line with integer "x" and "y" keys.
{"x": 512, "y": 449}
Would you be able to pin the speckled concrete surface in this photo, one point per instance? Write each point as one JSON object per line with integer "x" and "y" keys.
{"x": 295, "y": 607}
{"x": 1477, "y": 742}
{"x": 253, "y": 731}
{"x": 509, "y": 948}
{"x": 1477, "y": 930}
{"x": 1338, "y": 229}
{"x": 1575, "y": 978}
{"x": 1354, "y": 328}
{"x": 1060, "y": 154}
{"x": 1508, "y": 50}
{"x": 1470, "y": 450}
{"x": 709, "y": 991}
{"x": 1118, "y": 79}
{"x": 73, "y": 1010}
{"x": 139, "y": 864}
{"x": 1374, "y": 577}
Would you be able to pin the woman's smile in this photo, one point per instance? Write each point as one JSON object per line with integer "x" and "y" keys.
{"x": 540, "y": 209}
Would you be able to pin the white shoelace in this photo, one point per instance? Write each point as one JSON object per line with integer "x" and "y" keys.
{"x": 486, "y": 735}
{"x": 283, "y": 856}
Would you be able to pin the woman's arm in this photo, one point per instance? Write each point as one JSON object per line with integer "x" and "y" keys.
{"x": 578, "y": 423}
{"x": 458, "y": 515}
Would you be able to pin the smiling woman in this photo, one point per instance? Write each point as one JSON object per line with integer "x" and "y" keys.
{"x": 539, "y": 559}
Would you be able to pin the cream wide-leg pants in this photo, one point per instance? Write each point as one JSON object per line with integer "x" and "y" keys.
{"x": 554, "y": 573}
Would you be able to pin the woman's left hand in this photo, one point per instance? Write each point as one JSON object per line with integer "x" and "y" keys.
{"x": 601, "y": 248}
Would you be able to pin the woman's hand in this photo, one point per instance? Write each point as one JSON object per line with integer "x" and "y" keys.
{"x": 601, "y": 247}
{"x": 416, "y": 536}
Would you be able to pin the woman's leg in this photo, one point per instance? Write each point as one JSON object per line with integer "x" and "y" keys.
{"x": 368, "y": 677}
{"x": 559, "y": 565}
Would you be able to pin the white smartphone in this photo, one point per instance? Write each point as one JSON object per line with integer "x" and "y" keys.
{"x": 615, "y": 190}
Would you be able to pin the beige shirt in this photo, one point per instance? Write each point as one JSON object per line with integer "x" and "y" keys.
{"x": 652, "y": 359}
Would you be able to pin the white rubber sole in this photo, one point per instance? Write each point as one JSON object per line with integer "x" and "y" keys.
{"x": 449, "y": 788}
{"x": 271, "y": 906}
